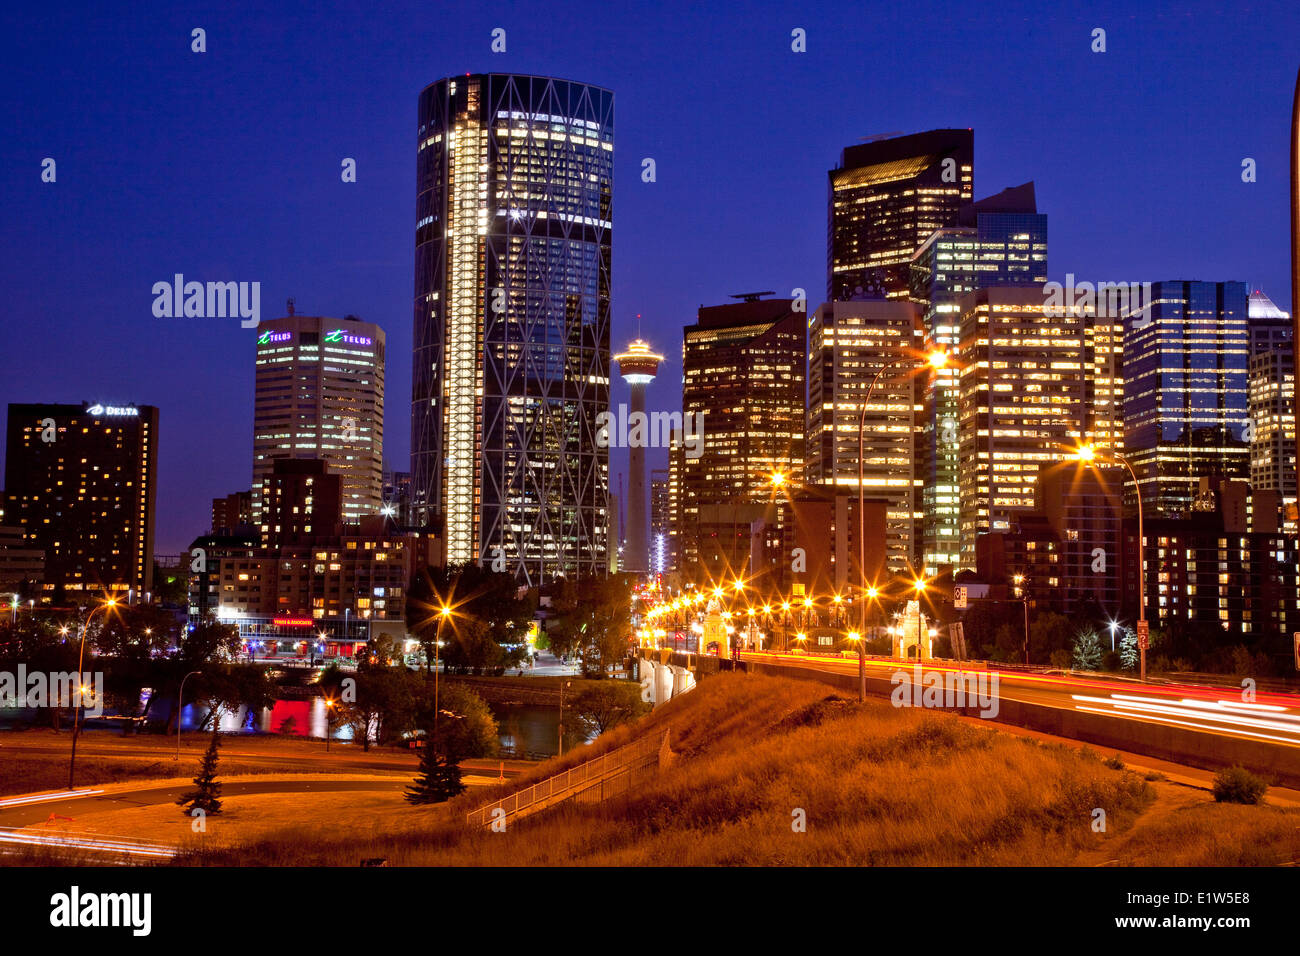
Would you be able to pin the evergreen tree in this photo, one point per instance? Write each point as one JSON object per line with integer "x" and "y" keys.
{"x": 439, "y": 778}
{"x": 1087, "y": 651}
{"x": 207, "y": 790}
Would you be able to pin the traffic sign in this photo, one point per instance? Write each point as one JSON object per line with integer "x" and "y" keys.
{"x": 959, "y": 597}
{"x": 1144, "y": 635}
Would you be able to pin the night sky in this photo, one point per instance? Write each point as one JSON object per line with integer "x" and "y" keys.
{"x": 225, "y": 166}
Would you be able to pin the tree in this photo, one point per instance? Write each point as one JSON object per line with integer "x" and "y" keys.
{"x": 596, "y": 620}
{"x": 489, "y": 615}
{"x": 1087, "y": 651}
{"x": 439, "y": 777}
{"x": 207, "y": 791}
{"x": 209, "y": 641}
{"x": 608, "y": 704}
{"x": 466, "y": 722}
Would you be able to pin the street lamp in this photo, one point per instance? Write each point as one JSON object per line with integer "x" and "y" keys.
{"x": 919, "y": 585}
{"x": 76, "y": 711}
{"x": 1024, "y": 603}
{"x": 1087, "y": 454}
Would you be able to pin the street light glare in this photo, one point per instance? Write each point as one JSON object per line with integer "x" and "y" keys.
{"x": 1086, "y": 453}
{"x": 938, "y": 358}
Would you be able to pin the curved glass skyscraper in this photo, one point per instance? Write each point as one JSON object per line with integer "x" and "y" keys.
{"x": 511, "y": 359}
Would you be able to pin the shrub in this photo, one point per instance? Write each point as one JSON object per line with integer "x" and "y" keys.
{"x": 1061, "y": 659}
{"x": 1238, "y": 785}
{"x": 1110, "y": 661}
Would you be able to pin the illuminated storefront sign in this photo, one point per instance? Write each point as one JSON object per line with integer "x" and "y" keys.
{"x": 346, "y": 338}
{"x": 115, "y": 410}
{"x": 292, "y": 621}
{"x": 266, "y": 338}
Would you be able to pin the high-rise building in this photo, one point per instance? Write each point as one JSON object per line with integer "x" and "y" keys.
{"x": 660, "y": 522}
{"x": 850, "y": 345}
{"x": 319, "y": 393}
{"x": 1021, "y": 405}
{"x": 1271, "y": 381}
{"x": 743, "y": 420}
{"x": 1186, "y": 360}
{"x": 233, "y": 514}
{"x": 301, "y": 501}
{"x": 886, "y": 198}
{"x": 512, "y": 282}
{"x": 999, "y": 241}
{"x": 80, "y": 480}
{"x": 638, "y": 366}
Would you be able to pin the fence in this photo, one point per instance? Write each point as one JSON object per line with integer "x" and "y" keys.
{"x": 620, "y": 763}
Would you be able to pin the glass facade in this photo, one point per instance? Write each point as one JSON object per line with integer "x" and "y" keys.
{"x": 511, "y": 352}
{"x": 1186, "y": 411}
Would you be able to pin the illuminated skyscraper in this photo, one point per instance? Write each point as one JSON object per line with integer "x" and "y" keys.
{"x": 887, "y": 198}
{"x": 80, "y": 480}
{"x": 743, "y": 419}
{"x": 511, "y": 357}
{"x": 1272, "y": 397}
{"x": 638, "y": 366}
{"x": 319, "y": 393}
{"x": 1186, "y": 361}
{"x": 998, "y": 241}
{"x": 1021, "y": 403}
{"x": 849, "y": 343}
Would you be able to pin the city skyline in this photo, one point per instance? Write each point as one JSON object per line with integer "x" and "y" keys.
{"x": 1120, "y": 221}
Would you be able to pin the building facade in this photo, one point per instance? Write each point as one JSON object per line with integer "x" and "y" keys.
{"x": 1186, "y": 409}
{"x": 511, "y": 359}
{"x": 742, "y": 422}
{"x": 1271, "y": 383}
{"x": 852, "y": 344}
{"x": 1021, "y": 403}
{"x": 998, "y": 241}
{"x": 887, "y": 198}
{"x": 319, "y": 393}
{"x": 80, "y": 480}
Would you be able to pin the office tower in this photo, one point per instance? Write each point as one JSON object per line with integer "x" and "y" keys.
{"x": 660, "y": 522}
{"x": 638, "y": 366}
{"x": 1084, "y": 508}
{"x": 319, "y": 393}
{"x": 886, "y": 198}
{"x": 743, "y": 420}
{"x": 80, "y": 480}
{"x": 1020, "y": 406}
{"x": 233, "y": 514}
{"x": 1271, "y": 383}
{"x": 511, "y": 358}
{"x": 999, "y": 241}
{"x": 1185, "y": 391}
{"x": 850, "y": 343}
{"x": 301, "y": 501}
{"x": 22, "y": 567}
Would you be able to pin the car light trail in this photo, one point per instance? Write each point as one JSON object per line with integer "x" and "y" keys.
{"x": 74, "y": 841}
{"x": 46, "y": 797}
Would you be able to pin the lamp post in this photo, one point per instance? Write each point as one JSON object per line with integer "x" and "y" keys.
{"x": 437, "y": 643}
{"x": 179, "y": 696}
{"x": 919, "y": 585}
{"x": 563, "y": 684}
{"x": 1024, "y": 604}
{"x": 1087, "y": 454}
{"x": 76, "y": 711}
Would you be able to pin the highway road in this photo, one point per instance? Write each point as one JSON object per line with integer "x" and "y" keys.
{"x": 1273, "y": 718}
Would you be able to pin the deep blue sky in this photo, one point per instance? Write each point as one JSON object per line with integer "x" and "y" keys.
{"x": 225, "y": 166}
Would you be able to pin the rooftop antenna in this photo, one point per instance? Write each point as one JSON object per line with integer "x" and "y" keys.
{"x": 289, "y": 306}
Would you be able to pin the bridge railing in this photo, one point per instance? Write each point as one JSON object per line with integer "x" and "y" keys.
{"x": 568, "y": 782}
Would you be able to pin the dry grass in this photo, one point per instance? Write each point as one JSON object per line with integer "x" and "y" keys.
{"x": 877, "y": 786}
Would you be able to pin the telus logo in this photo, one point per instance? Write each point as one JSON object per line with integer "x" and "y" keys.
{"x": 73, "y": 909}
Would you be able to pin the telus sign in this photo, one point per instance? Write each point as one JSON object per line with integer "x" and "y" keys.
{"x": 338, "y": 335}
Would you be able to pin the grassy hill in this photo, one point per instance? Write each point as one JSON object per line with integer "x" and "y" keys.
{"x": 876, "y": 786}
